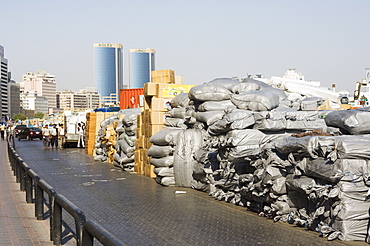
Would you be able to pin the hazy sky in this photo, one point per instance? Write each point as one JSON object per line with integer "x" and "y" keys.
{"x": 325, "y": 40}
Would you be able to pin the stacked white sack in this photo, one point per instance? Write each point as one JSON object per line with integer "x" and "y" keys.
{"x": 161, "y": 152}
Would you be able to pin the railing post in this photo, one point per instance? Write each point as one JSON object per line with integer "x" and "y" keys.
{"x": 57, "y": 224}
{"x": 31, "y": 178}
{"x": 24, "y": 168}
{"x": 41, "y": 187}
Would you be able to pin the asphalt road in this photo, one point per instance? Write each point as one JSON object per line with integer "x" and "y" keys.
{"x": 139, "y": 211}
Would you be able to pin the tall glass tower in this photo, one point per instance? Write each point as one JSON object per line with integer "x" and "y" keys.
{"x": 108, "y": 69}
{"x": 141, "y": 62}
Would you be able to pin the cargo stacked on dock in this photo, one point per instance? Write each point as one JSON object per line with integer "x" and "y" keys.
{"x": 157, "y": 95}
{"x": 93, "y": 121}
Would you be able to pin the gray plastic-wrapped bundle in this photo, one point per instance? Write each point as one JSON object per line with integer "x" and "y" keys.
{"x": 216, "y": 105}
{"x": 262, "y": 100}
{"x": 130, "y": 117}
{"x": 311, "y": 103}
{"x": 249, "y": 85}
{"x": 166, "y": 136}
{"x": 157, "y": 151}
{"x": 178, "y": 112}
{"x": 255, "y": 85}
{"x": 175, "y": 122}
{"x": 189, "y": 141}
{"x": 351, "y": 217}
{"x": 246, "y": 137}
{"x": 125, "y": 147}
{"x": 229, "y": 83}
{"x": 181, "y": 100}
{"x": 209, "y": 92}
{"x": 240, "y": 119}
{"x": 108, "y": 121}
{"x": 209, "y": 117}
{"x": 162, "y": 162}
{"x": 355, "y": 122}
{"x": 322, "y": 168}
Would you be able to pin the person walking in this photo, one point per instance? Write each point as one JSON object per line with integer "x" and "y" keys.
{"x": 10, "y": 132}
{"x": 46, "y": 137}
{"x": 2, "y": 131}
{"x": 80, "y": 132}
{"x": 62, "y": 136}
{"x": 54, "y": 137}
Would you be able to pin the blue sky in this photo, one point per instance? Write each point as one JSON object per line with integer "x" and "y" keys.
{"x": 325, "y": 40}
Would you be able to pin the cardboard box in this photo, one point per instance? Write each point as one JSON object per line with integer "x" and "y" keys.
{"x": 154, "y": 128}
{"x": 165, "y": 80}
{"x": 163, "y": 73}
{"x": 158, "y": 117}
{"x": 150, "y": 89}
{"x": 172, "y": 90}
{"x": 160, "y": 104}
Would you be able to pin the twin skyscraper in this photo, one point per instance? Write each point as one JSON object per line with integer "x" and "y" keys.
{"x": 109, "y": 69}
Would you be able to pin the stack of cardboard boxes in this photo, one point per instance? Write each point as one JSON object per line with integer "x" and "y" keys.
{"x": 93, "y": 121}
{"x": 151, "y": 120}
{"x": 157, "y": 96}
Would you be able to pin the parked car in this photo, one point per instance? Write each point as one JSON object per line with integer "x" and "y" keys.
{"x": 18, "y": 128}
{"x": 30, "y": 133}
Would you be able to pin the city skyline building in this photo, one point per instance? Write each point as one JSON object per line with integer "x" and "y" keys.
{"x": 44, "y": 85}
{"x": 84, "y": 99}
{"x": 141, "y": 63}
{"x": 14, "y": 98}
{"x": 108, "y": 69}
{"x": 32, "y": 102}
{"x": 4, "y": 79}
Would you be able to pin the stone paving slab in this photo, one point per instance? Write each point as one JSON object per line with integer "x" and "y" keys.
{"x": 18, "y": 224}
{"x": 138, "y": 211}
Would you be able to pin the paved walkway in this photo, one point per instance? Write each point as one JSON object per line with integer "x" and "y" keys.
{"x": 18, "y": 224}
{"x": 135, "y": 208}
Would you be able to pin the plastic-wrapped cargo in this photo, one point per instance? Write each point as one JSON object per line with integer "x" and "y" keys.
{"x": 189, "y": 141}
{"x": 262, "y": 100}
{"x": 229, "y": 83}
{"x": 209, "y": 117}
{"x": 355, "y": 122}
{"x": 216, "y": 105}
{"x": 166, "y": 136}
{"x": 157, "y": 151}
{"x": 181, "y": 100}
{"x": 311, "y": 103}
{"x": 162, "y": 162}
{"x": 209, "y": 92}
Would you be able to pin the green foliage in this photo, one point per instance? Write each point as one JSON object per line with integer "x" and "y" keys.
{"x": 39, "y": 115}
{"x": 17, "y": 117}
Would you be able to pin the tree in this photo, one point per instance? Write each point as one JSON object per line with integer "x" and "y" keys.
{"x": 39, "y": 115}
{"x": 19, "y": 116}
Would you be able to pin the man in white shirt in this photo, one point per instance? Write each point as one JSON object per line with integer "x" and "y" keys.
{"x": 62, "y": 136}
{"x": 54, "y": 137}
{"x": 46, "y": 137}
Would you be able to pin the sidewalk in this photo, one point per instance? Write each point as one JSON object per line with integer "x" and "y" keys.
{"x": 18, "y": 224}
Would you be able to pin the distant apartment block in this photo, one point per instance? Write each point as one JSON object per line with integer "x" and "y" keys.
{"x": 31, "y": 101}
{"x": 108, "y": 69}
{"x": 84, "y": 99}
{"x": 14, "y": 96}
{"x": 141, "y": 63}
{"x": 42, "y": 83}
{"x": 4, "y": 107}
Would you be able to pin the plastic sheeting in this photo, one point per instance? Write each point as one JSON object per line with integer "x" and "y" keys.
{"x": 256, "y": 100}
{"x": 355, "y": 122}
{"x": 209, "y": 92}
{"x": 189, "y": 141}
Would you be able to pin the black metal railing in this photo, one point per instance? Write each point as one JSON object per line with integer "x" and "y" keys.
{"x": 35, "y": 188}
{"x": 93, "y": 230}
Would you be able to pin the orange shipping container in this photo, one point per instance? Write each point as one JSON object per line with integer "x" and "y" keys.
{"x": 130, "y": 98}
